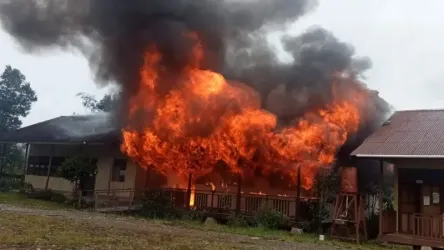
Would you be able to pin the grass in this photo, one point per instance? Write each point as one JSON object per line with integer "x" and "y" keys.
{"x": 22, "y": 200}
{"x": 26, "y": 231}
{"x": 60, "y": 233}
{"x": 267, "y": 234}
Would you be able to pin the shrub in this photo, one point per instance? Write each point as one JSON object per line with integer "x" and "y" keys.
{"x": 26, "y": 188}
{"x": 10, "y": 184}
{"x": 196, "y": 215}
{"x": 48, "y": 195}
{"x": 271, "y": 219}
{"x": 235, "y": 220}
{"x": 157, "y": 204}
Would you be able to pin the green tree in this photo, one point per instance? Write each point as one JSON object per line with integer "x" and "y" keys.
{"x": 78, "y": 170}
{"x": 106, "y": 104}
{"x": 16, "y": 99}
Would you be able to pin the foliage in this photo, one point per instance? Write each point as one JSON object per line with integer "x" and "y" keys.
{"x": 10, "y": 184}
{"x": 235, "y": 220}
{"x": 157, "y": 204}
{"x": 76, "y": 169}
{"x": 195, "y": 215}
{"x": 270, "y": 218}
{"x": 16, "y": 99}
{"x": 106, "y": 104}
{"x": 326, "y": 185}
{"x": 26, "y": 188}
{"x": 48, "y": 195}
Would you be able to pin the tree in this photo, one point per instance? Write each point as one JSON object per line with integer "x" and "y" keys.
{"x": 78, "y": 169}
{"x": 16, "y": 99}
{"x": 106, "y": 104}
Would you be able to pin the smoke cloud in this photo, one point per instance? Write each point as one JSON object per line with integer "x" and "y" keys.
{"x": 114, "y": 34}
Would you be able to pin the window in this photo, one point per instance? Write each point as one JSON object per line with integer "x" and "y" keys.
{"x": 118, "y": 170}
{"x": 38, "y": 165}
{"x": 55, "y": 164}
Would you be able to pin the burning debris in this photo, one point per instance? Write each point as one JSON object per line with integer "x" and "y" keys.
{"x": 201, "y": 83}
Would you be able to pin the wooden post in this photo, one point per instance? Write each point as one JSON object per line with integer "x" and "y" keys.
{"x": 110, "y": 176}
{"x": 25, "y": 169}
{"x": 239, "y": 193}
{"x": 381, "y": 194}
{"x": 2, "y": 157}
{"x": 49, "y": 167}
{"x": 189, "y": 191}
{"x": 212, "y": 200}
{"x": 298, "y": 194}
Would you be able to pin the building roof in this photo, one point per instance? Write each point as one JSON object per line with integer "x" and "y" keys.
{"x": 95, "y": 128}
{"x": 407, "y": 134}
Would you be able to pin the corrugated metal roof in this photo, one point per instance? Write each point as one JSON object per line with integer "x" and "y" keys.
{"x": 412, "y": 133}
{"x": 95, "y": 128}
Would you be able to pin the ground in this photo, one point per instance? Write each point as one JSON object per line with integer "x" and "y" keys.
{"x": 25, "y": 224}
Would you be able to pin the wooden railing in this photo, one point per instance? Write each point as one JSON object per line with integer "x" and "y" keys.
{"x": 420, "y": 225}
{"x": 226, "y": 203}
{"x": 11, "y": 177}
{"x": 207, "y": 200}
{"x": 114, "y": 199}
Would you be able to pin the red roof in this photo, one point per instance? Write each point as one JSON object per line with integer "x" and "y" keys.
{"x": 412, "y": 133}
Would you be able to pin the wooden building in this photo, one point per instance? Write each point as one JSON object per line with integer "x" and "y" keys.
{"x": 413, "y": 141}
{"x": 50, "y": 142}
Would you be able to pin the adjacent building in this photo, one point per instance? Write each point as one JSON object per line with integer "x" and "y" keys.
{"x": 413, "y": 141}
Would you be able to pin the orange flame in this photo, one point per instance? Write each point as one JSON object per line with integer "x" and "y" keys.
{"x": 193, "y": 194}
{"x": 205, "y": 119}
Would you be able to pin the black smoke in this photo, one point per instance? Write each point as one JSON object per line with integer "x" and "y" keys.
{"x": 114, "y": 34}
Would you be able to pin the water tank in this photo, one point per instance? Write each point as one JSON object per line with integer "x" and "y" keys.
{"x": 349, "y": 180}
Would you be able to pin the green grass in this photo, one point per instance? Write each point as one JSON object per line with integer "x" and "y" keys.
{"x": 31, "y": 232}
{"x": 22, "y": 200}
{"x": 61, "y": 233}
{"x": 264, "y": 233}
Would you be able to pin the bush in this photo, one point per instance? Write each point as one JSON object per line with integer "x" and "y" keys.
{"x": 10, "y": 184}
{"x": 196, "y": 215}
{"x": 48, "y": 195}
{"x": 235, "y": 220}
{"x": 157, "y": 204}
{"x": 26, "y": 188}
{"x": 372, "y": 226}
{"x": 271, "y": 219}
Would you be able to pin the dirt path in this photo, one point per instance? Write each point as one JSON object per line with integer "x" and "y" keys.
{"x": 138, "y": 225}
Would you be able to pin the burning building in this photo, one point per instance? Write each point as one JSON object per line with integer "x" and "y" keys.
{"x": 203, "y": 94}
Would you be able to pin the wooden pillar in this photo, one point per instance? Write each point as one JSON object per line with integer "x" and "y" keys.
{"x": 239, "y": 193}
{"x": 2, "y": 157}
{"x": 49, "y": 167}
{"x": 110, "y": 176}
{"x": 25, "y": 169}
{"x": 381, "y": 195}
{"x": 396, "y": 198}
{"x": 189, "y": 190}
{"x": 298, "y": 195}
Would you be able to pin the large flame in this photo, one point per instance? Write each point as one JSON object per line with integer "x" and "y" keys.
{"x": 204, "y": 119}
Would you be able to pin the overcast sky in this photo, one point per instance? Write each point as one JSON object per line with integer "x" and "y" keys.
{"x": 404, "y": 39}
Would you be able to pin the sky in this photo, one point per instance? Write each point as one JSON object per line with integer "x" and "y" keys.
{"x": 403, "y": 38}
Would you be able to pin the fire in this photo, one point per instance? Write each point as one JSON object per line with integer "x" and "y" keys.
{"x": 204, "y": 119}
{"x": 258, "y": 193}
{"x": 193, "y": 194}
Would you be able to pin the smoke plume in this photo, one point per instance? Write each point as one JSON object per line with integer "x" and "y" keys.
{"x": 114, "y": 35}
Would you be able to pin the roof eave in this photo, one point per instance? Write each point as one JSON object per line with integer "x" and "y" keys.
{"x": 54, "y": 143}
{"x": 399, "y": 156}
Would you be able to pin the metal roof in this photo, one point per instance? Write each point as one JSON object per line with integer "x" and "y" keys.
{"x": 407, "y": 134}
{"x": 75, "y": 129}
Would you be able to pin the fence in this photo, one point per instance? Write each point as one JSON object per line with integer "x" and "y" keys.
{"x": 11, "y": 177}
{"x": 212, "y": 202}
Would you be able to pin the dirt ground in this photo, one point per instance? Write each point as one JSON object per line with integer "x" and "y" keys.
{"x": 203, "y": 239}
